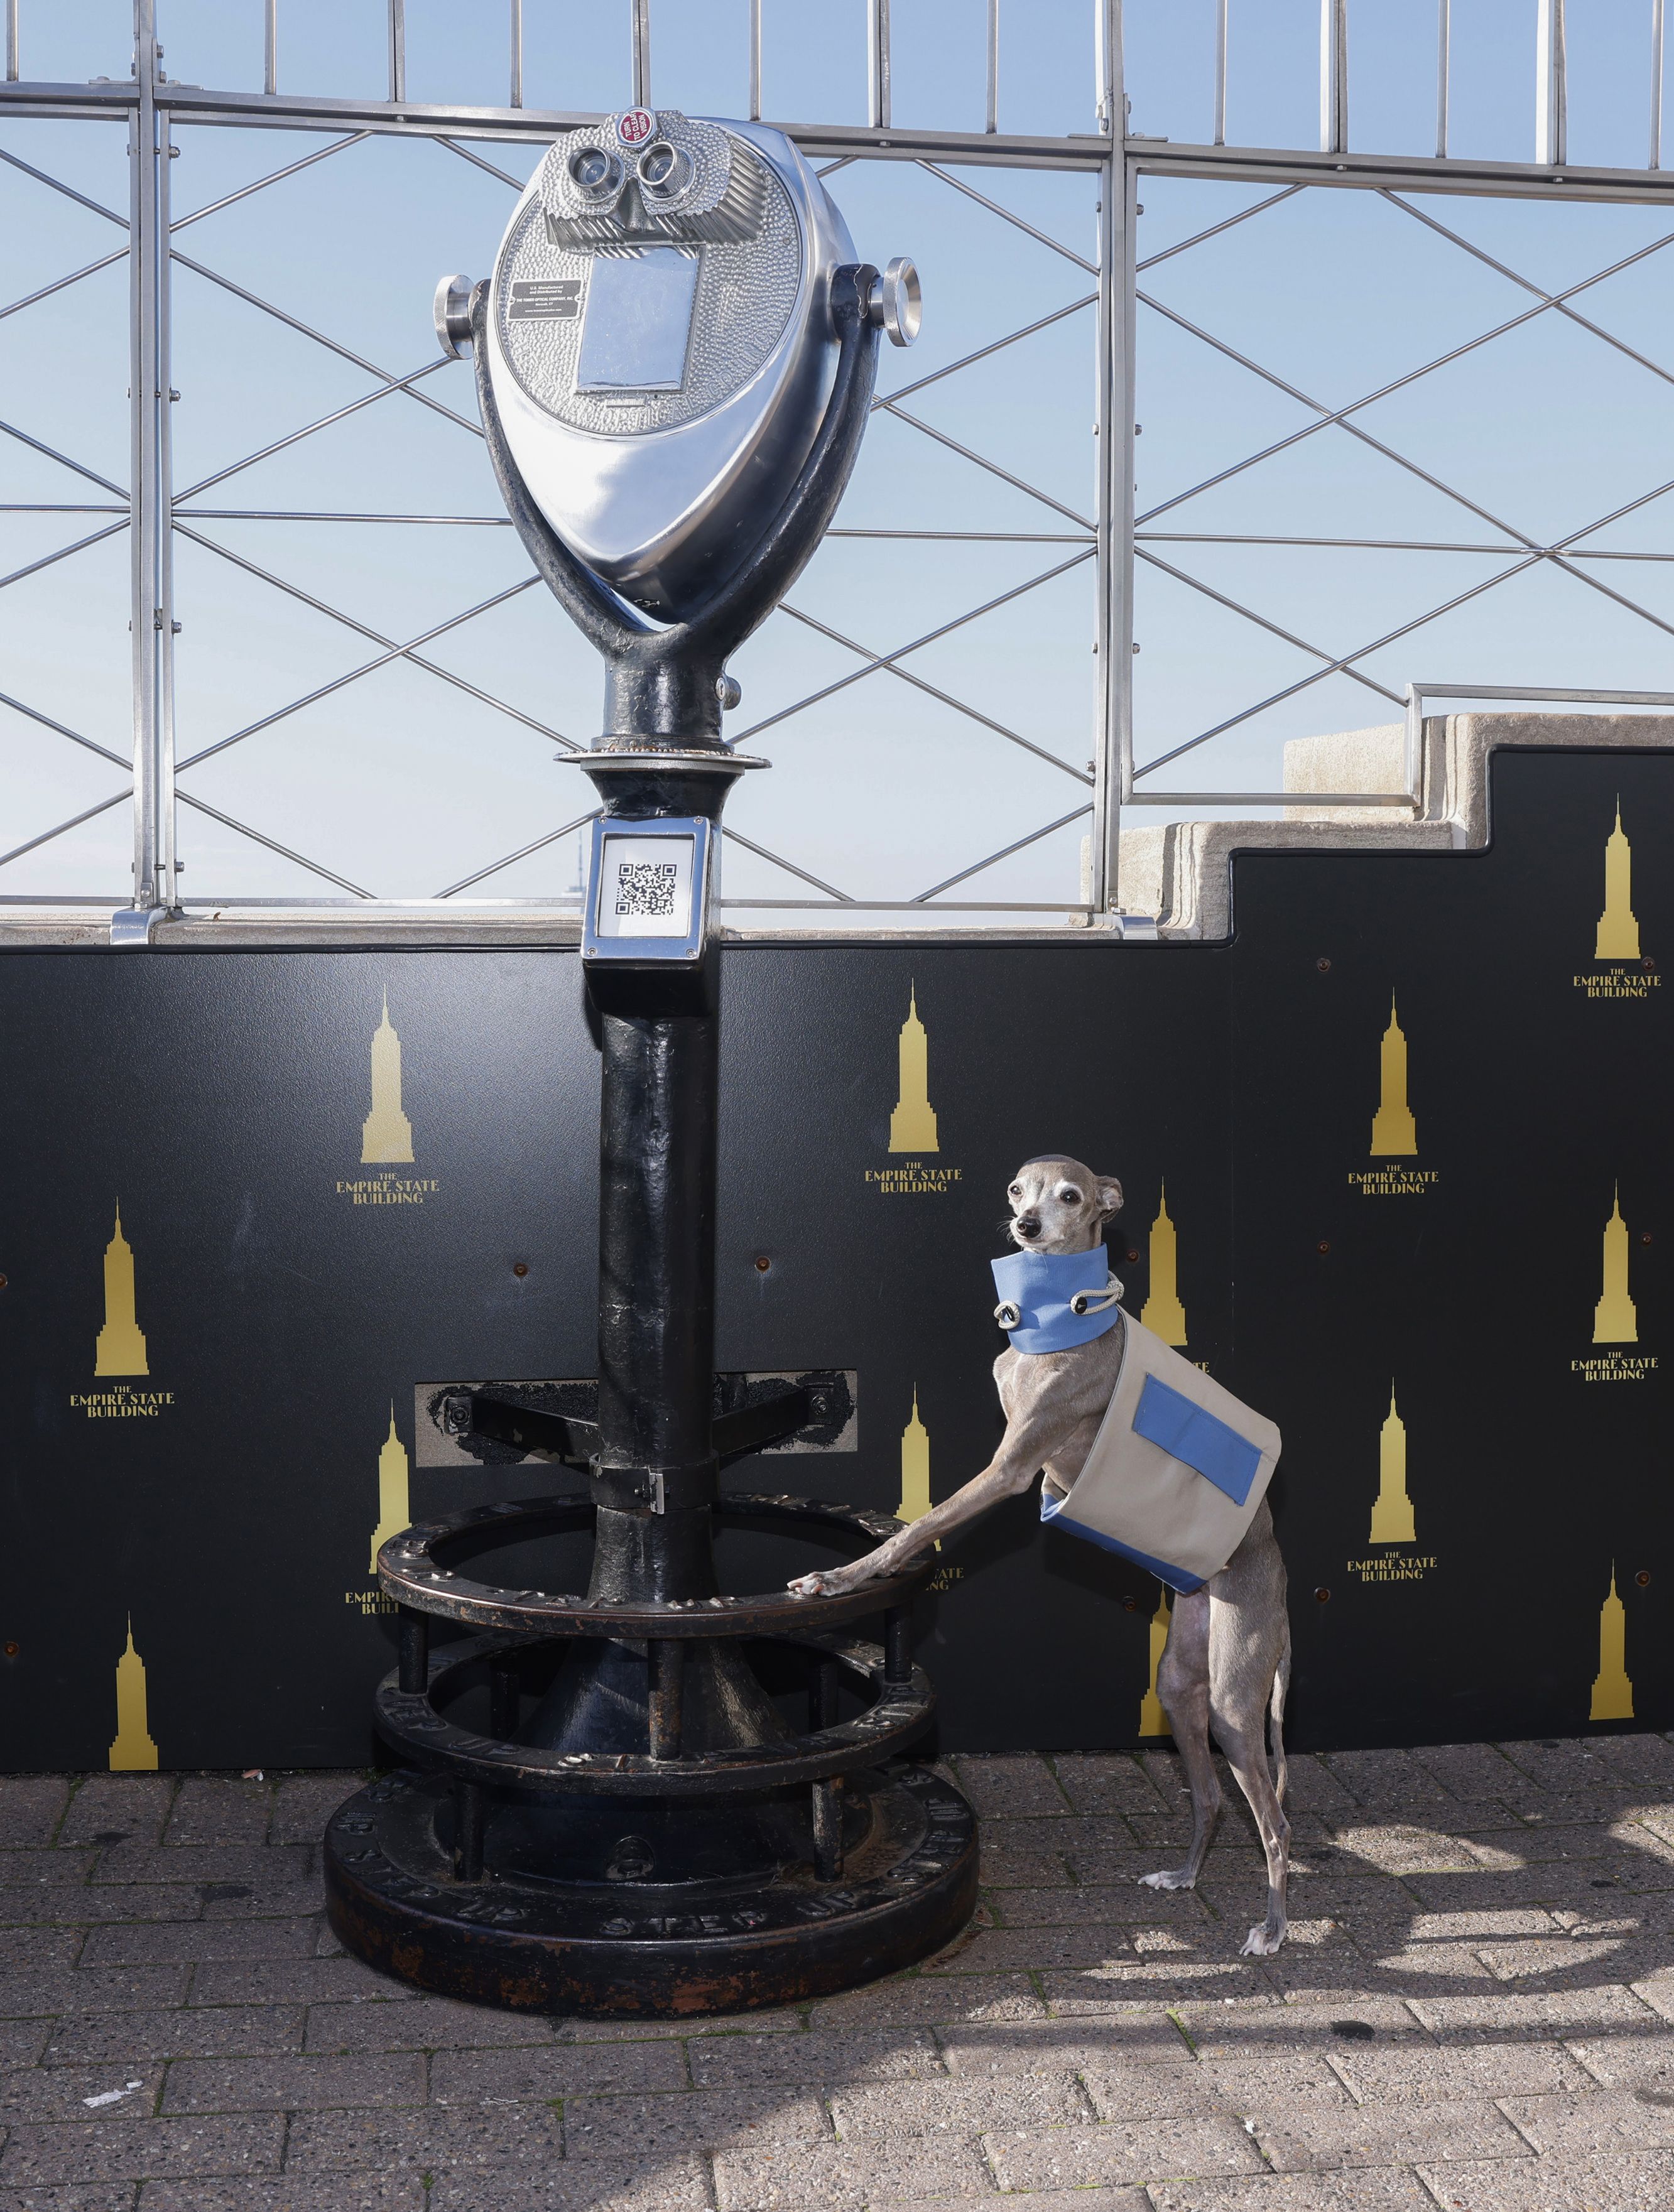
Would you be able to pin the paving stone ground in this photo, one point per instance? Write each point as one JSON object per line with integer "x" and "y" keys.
{"x": 1475, "y": 2013}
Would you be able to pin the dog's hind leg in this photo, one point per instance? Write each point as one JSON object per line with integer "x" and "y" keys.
{"x": 1247, "y": 1754}
{"x": 1183, "y": 1687}
{"x": 1248, "y": 1676}
{"x": 1276, "y": 1710}
{"x": 1248, "y": 1649}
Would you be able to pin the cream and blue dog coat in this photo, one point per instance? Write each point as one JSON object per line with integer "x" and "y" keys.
{"x": 1179, "y": 1465}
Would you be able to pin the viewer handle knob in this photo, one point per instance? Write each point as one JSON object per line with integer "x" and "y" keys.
{"x": 452, "y": 317}
{"x": 895, "y": 302}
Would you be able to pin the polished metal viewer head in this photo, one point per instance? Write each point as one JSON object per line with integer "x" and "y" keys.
{"x": 660, "y": 343}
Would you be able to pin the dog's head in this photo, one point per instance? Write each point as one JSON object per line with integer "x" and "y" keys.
{"x": 1060, "y": 1205}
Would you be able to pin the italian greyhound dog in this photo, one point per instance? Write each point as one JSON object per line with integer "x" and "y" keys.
{"x": 1226, "y": 1666}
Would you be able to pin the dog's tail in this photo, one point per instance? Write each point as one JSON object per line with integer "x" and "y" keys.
{"x": 1281, "y": 1690}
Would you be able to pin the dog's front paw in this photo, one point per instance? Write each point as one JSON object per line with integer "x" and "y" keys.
{"x": 1174, "y": 1878}
{"x": 1261, "y": 1944}
{"x": 829, "y": 1584}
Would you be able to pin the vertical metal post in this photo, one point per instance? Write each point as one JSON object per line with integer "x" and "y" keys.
{"x": 413, "y": 1662}
{"x": 667, "y": 1659}
{"x": 1113, "y": 690}
{"x": 515, "y": 96}
{"x": 1443, "y": 68}
{"x": 876, "y": 64}
{"x": 1333, "y": 77}
{"x": 992, "y": 121}
{"x": 397, "y": 49}
{"x": 1219, "y": 72}
{"x": 1551, "y": 100}
{"x": 468, "y": 1821}
{"x": 898, "y": 1646}
{"x": 828, "y": 1831}
{"x": 827, "y": 1806}
{"x": 642, "y": 37}
{"x": 755, "y": 61}
{"x": 270, "y": 45}
{"x": 11, "y": 42}
{"x": 504, "y": 1700}
{"x": 168, "y": 881}
{"x": 822, "y": 1695}
{"x": 150, "y": 596}
{"x": 1656, "y": 83}
{"x": 1107, "y": 67}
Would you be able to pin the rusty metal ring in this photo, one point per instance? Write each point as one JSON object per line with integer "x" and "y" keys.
{"x": 408, "y": 1720}
{"x": 409, "y": 1571}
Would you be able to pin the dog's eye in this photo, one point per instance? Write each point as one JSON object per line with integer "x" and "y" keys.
{"x": 1069, "y": 1195}
{"x": 1015, "y": 1191}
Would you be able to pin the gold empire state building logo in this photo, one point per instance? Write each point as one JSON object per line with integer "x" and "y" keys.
{"x": 1393, "y": 1130}
{"x": 1153, "y": 1720}
{"x": 915, "y": 1469}
{"x": 1618, "y": 930}
{"x": 394, "y": 1513}
{"x": 1162, "y": 1312}
{"x": 1392, "y": 1515}
{"x": 121, "y": 1348}
{"x": 387, "y": 1135}
{"x": 1612, "y": 1691}
{"x": 912, "y": 1126}
{"x": 131, "y": 1749}
{"x": 1614, "y": 1319}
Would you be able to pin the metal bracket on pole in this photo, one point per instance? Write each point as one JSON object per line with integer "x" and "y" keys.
{"x": 132, "y": 926}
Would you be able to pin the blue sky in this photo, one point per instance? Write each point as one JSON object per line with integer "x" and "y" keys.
{"x": 404, "y": 783}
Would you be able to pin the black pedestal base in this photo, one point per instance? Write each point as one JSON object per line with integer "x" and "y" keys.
{"x": 644, "y": 1951}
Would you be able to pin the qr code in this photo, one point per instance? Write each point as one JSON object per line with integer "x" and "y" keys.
{"x": 646, "y": 887}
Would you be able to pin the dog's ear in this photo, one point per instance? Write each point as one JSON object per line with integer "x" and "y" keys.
{"x": 1109, "y": 1196}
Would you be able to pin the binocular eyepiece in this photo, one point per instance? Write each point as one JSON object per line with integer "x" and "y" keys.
{"x": 661, "y": 170}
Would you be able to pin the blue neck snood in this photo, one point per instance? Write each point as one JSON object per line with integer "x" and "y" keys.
{"x": 1040, "y": 1285}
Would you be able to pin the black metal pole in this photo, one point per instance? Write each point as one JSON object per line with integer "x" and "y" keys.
{"x": 660, "y": 1039}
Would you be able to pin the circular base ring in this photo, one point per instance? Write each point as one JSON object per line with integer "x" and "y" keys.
{"x": 637, "y": 1951}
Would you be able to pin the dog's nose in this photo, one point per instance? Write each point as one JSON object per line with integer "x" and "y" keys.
{"x": 1028, "y": 1226}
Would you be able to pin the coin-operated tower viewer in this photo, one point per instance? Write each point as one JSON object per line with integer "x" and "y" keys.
{"x": 674, "y": 358}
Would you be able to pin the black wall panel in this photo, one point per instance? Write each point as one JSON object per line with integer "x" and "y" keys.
{"x": 225, "y": 1500}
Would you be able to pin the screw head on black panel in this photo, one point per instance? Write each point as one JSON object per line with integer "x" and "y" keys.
{"x": 762, "y": 1263}
{"x": 1324, "y": 1244}
{"x": 1642, "y": 1578}
{"x": 520, "y": 1268}
{"x": 1324, "y": 1596}
{"x": 1324, "y": 965}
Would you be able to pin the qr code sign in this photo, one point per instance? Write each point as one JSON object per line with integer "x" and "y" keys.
{"x": 646, "y": 887}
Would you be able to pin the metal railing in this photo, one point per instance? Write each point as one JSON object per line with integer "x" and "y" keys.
{"x": 1111, "y": 538}
{"x": 1531, "y": 693}
{"x": 165, "y": 512}
{"x": 1550, "y": 118}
